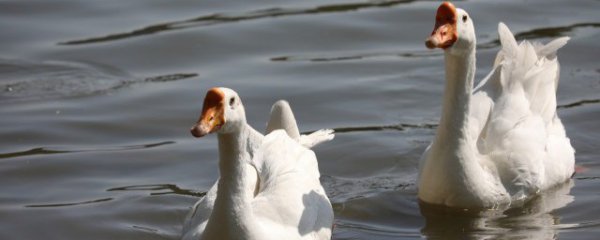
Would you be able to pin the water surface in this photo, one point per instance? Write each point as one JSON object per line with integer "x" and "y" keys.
{"x": 96, "y": 98}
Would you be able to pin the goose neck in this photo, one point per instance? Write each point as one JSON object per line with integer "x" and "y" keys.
{"x": 232, "y": 213}
{"x": 460, "y": 72}
{"x": 235, "y": 155}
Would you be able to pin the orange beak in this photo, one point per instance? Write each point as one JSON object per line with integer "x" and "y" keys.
{"x": 212, "y": 118}
{"x": 444, "y": 33}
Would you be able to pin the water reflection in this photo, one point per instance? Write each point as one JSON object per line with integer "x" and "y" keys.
{"x": 534, "y": 220}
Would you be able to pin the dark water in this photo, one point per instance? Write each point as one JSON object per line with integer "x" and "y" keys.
{"x": 96, "y": 98}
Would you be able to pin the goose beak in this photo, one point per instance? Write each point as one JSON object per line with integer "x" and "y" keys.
{"x": 444, "y": 33}
{"x": 212, "y": 117}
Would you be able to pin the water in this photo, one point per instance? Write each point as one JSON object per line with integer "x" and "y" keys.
{"x": 96, "y": 98}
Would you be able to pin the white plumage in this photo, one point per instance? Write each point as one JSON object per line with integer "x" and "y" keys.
{"x": 282, "y": 117}
{"x": 502, "y": 142}
{"x": 269, "y": 185}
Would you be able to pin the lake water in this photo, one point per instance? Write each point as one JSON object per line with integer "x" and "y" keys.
{"x": 97, "y": 97}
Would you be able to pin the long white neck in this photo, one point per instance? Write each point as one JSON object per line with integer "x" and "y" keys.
{"x": 232, "y": 214}
{"x": 460, "y": 72}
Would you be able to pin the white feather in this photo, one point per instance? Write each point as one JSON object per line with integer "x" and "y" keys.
{"x": 271, "y": 189}
{"x": 282, "y": 117}
{"x": 514, "y": 143}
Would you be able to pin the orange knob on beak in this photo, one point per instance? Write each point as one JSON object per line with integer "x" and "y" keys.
{"x": 213, "y": 114}
{"x": 444, "y": 33}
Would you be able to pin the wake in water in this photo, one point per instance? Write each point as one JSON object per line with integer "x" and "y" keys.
{"x": 26, "y": 79}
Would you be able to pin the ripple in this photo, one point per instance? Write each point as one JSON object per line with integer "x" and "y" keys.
{"x": 375, "y": 229}
{"x": 340, "y": 189}
{"x": 588, "y": 178}
{"x": 33, "y": 151}
{"x": 222, "y": 18}
{"x": 537, "y": 33}
{"x": 547, "y": 32}
{"x": 579, "y": 103}
{"x": 69, "y": 204}
{"x": 409, "y": 126}
{"x": 164, "y": 189}
{"x": 35, "y": 80}
{"x": 170, "y": 77}
{"x": 145, "y": 229}
{"x": 348, "y": 57}
{"x": 559, "y": 31}
{"x": 31, "y": 79}
{"x": 377, "y": 128}
{"x": 46, "y": 151}
{"x": 582, "y": 225}
{"x": 153, "y": 79}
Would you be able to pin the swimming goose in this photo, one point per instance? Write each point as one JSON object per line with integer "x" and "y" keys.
{"x": 268, "y": 186}
{"x": 502, "y": 142}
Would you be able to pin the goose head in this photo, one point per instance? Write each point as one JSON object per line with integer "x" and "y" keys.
{"x": 222, "y": 112}
{"x": 454, "y": 31}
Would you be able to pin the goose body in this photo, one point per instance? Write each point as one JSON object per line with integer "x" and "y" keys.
{"x": 502, "y": 142}
{"x": 268, "y": 186}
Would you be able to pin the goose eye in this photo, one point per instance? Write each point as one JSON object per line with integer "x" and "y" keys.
{"x": 231, "y": 101}
{"x": 465, "y": 18}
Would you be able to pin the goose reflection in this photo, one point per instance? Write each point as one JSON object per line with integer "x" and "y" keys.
{"x": 535, "y": 219}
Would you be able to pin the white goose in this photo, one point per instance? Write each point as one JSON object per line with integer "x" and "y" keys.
{"x": 503, "y": 142}
{"x": 268, "y": 186}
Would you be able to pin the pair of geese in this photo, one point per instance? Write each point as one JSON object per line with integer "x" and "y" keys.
{"x": 496, "y": 144}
